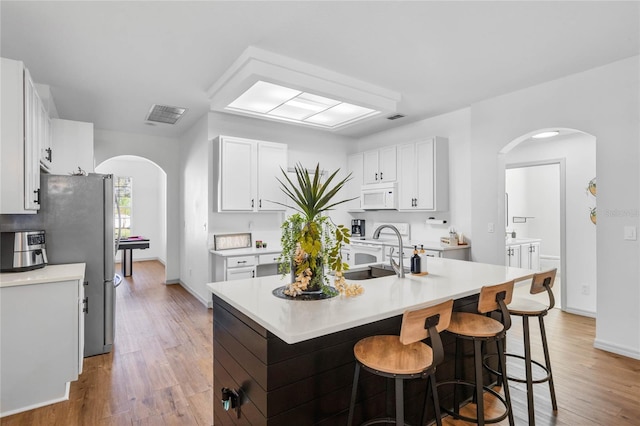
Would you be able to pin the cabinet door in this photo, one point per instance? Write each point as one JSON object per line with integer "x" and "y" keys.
{"x": 45, "y": 141}
{"x": 272, "y": 157}
{"x": 74, "y": 146}
{"x": 425, "y": 171}
{"x": 387, "y": 164}
{"x": 530, "y": 256}
{"x": 407, "y": 177}
{"x": 512, "y": 256}
{"x": 31, "y": 144}
{"x": 370, "y": 167}
{"x": 352, "y": 187}
{"x": 238, "y": 165}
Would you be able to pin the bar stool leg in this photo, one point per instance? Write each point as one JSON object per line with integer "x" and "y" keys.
{"x": 528, "y": 369}
{"x": 436, "y": 400}
{"x": 354, "y": 390}
{"x": 399, "y": 402}
{"x": 547, "y": 361}
{"x": 477, "y": 357}
{"x": 505, "y": 383}
{"x": 458, "y": 371}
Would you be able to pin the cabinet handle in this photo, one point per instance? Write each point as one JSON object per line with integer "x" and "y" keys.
{"x": 241, "y": 261}
{"x": 260, "y": 203}
{"x": 37, "y": 192}
{"x": 380, "y": 175}
{"x": 252, "y": 203}
{"x": 85, "y": 302}
{"x": 48, "y": 154}
{"x": 253, "y": 274}
{"x": 376, "y": 176}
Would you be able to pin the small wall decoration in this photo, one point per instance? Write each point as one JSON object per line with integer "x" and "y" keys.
{"x": 591, "y": 188}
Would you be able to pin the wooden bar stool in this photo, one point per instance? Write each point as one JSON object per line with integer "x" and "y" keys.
{"x": 405, "y": 357}
{"x": 526, "y": 309}
{"x": 482, "y": 329}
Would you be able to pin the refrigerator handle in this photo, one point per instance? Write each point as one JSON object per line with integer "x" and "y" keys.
{"x": 119, "y": 223}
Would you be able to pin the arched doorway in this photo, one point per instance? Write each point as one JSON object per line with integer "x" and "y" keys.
{"x": 554, "y": 206}
{"x": 148, "y": 211}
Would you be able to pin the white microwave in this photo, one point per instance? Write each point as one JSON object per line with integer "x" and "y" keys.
{"x": 379, "y": 196}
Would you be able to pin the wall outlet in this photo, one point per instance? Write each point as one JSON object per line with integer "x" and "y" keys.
{"x": 490, "y": 227}
{"x": 585, "y": 289}
{"x": 630, "y": 233}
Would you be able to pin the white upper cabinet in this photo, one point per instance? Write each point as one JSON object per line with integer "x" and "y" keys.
{"x": 423, "y": 182}
{"x": 19, "y": 143}
{"x": 73, "y": 142}
{"x": 246, "y": 174}
{"x": 354, "y": 185}
{"x": 379, "y": 165}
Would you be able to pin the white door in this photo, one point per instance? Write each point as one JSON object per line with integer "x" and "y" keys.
{"x": 272, "y": 157}
{"x": 387, "y": 164}
{"x": 370, "y": 167}
{"x": 425, "y": 175}
{"x": 407, "y": 177}
{"x": 237, "y": 165}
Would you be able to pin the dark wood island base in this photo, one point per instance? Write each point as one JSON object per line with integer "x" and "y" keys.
{"x": 309, "y": 383}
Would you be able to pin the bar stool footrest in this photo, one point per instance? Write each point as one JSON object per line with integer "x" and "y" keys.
{"x": 473, "y": 419}
{"x": 518, "y": 379}
{"x": 381, "y": 420}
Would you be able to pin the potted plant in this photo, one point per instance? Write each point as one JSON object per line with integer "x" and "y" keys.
{"x": 310, "y": 241}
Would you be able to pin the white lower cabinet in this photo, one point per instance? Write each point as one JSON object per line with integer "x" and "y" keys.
{"x": 530, "y": 256}
{"x": 42, "y": 343}
{"x": 512, "y": 255}
{"x": 228, "y": 267}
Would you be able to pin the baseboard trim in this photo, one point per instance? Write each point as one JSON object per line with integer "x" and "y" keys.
{"x": 193, "y": 293}
{"x": 616, "y": 349}
{"x": 580, "y": 312}
{"x": 38, "y": 405}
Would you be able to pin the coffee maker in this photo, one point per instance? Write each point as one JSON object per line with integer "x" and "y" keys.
{"x": 357, "y": 228}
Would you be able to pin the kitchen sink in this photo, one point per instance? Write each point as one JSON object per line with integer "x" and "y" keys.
{"x": 371, "y": 272}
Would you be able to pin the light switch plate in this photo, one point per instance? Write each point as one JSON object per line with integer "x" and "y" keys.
{"x": 630, "y": 233}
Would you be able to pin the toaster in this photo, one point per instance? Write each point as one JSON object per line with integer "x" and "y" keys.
{"x": 22, "y": 251}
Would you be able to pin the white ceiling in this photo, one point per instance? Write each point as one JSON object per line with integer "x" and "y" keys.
{"x": 107, "y": 62}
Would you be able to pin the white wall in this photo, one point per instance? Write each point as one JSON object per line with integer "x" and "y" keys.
{"x": 535, "y": 192}
{"x": 165, "y": 153}
{"x": 602, "y": 102}
{"x": 148, "y": 207}
{"x": 579, "y": 154}
{"x": 455, "y": 127}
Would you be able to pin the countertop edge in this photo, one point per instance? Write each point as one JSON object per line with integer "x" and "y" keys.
{"x": 48, "y": 274}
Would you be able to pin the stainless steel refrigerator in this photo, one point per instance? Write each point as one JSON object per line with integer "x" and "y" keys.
{"x": 79, "y": 223}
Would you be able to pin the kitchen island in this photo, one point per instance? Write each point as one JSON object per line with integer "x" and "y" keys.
{"x": 292, "y": 360}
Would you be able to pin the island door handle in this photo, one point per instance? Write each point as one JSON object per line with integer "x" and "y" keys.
{"x": 376, "y": 176}
{"x": 380, "y": 175}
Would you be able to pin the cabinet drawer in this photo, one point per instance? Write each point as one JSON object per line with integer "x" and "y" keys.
{"x": 268, "y": 258}
{"x": 240, "y": 261}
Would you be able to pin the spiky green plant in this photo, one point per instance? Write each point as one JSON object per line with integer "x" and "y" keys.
{"x": 315, "y": 234}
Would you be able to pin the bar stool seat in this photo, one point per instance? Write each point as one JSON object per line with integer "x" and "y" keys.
{"x": 527, "y": 307}
{"x": 405, "y": 357}
{"x": 389, "y": 355}
{"x": 482, "y": 329}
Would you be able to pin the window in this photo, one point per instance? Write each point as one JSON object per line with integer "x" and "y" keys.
{"x": 122, "y": 188}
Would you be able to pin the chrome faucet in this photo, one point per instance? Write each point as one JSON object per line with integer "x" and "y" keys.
{"x": 399, "y": 269}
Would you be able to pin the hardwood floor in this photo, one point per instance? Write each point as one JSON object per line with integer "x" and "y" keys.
{"x": 160, "y": 371}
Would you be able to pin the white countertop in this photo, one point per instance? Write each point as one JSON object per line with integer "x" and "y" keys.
{"x": 248, "y": 251}
{"x": 428, "y": 245}
{"x": 515, "y": 241}
{"x": 295, "y": 320}
{"x": 48, "y": 274}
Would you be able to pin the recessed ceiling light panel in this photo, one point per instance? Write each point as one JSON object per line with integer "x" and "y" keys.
{"x": 277, "y": 102}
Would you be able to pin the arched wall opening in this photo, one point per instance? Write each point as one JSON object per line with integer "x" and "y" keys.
{"x": 548, "y": 180}
{"x": 148, "y": 217}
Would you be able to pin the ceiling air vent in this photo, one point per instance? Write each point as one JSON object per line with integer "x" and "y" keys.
{"x": 165, "y": 114}
{"x": 395, "y": 117}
